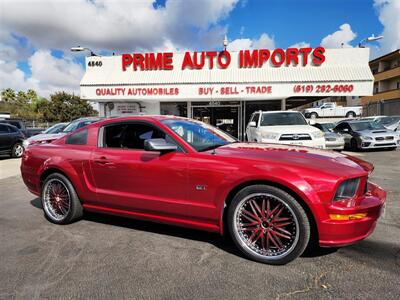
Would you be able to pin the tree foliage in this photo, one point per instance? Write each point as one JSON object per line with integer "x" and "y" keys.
{"x": 28, "y": 105}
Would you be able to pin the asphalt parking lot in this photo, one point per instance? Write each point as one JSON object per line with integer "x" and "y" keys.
{"x": 107, "y": 257}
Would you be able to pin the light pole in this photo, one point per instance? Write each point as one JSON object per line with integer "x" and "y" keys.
{"x": 79, "y": 49}
{"x": 371, "y": 38}
{"x": 225, "y": 42}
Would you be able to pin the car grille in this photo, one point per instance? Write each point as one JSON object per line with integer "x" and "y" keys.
{"x": 386, "y": 145}
{"x": 384, "y": 138}
{"x": 295, "y": 137}
{"x": 331, "y": 139}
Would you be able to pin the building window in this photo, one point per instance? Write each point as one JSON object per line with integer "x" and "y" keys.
{"x": 398, "y": 84}
{"x": 174, "y": 108}
{"x": 376, "y": 90}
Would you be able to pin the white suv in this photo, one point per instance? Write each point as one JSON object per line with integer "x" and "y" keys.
{"x": 283, "y": 127}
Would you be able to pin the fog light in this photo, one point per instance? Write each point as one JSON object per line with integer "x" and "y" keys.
{"x": 338, "y": 217}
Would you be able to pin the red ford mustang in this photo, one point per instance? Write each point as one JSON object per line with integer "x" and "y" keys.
{"x": 272, "y": 199}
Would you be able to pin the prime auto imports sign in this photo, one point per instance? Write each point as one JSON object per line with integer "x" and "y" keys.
{"x": 213, "y": 59}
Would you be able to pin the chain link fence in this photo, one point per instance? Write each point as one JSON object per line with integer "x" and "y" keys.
{"x": 382, "y": 108}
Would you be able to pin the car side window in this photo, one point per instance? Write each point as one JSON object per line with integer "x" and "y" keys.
{"x": 13, "y": 129}
{"x": 131, "y": 135}
{"x": 339, "y": 128}
{"x": 3, "y": 129}
{"x": 79, "y": 138}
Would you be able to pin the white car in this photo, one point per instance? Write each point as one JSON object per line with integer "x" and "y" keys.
{"x": 283, "y": 127}
{"x": 331, "y": 110}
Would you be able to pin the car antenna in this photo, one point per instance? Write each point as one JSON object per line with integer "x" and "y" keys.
{"x": 212, "y": 118}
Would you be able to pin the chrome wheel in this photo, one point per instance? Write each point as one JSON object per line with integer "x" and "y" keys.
{"x": 266, "y": 226}
{"x": 56, "y": 199}
{"x": 18, "y": 150}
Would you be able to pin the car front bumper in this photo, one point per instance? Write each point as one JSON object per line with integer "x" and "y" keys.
{"x": 335, "y": 145}
{"x": 336, "y": 233}
{"x": 372, "y": 144}
{"x": 316, "y": 143}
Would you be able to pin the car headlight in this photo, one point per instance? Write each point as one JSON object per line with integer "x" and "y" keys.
{"x": 318, "y": 134}
{"x": 25, "y": 143}
{"x": 269, "y": 135}
{"x": 367, "y": 138}
{"x": 347, "y": 189}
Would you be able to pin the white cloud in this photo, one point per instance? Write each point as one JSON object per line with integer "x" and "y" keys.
{"x": 49, "y": 74}
{"x": 340, "y": 38}
{"x": 55, "y": 73}
{"x": 112, "y": 25}
{"x": 389, "y": 16}
{"x": 12, "y": 77}
{"x": 116, "y": 26}
{"x": 263, "y": 42}
{"x": 300, "y": 45}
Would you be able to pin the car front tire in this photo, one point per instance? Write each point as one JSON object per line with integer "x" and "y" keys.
{"x": 60, "y": 202}
{"x": 353, "y": 145}
{"x": 268, "y": 225}
{"x": 17, "y": 150}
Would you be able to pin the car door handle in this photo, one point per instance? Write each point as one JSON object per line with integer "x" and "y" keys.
{"x": 102, "y": 161}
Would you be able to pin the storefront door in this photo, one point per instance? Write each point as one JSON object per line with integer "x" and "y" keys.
{"x": 225, "y": 117}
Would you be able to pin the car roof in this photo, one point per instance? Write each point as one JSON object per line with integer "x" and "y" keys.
{"x": 87, "y": 119}
{"x": 355, "y": 121}
{"x": 279, "y": 111}
{"x": 138, "y": 117}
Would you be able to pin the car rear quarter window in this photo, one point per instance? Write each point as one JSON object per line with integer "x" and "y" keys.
{"x": 78, "y": 138}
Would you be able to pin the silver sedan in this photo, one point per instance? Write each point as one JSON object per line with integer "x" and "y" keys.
{"x": 367, "y": 134}
{"x": 333, "y": 140}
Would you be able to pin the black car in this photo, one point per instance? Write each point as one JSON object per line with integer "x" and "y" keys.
{"x": 11, "y": 139}
{"x": 17, "y": 123}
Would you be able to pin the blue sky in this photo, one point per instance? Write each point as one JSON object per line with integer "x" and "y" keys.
{"x": 35, "y": 35}
{"x": 291, "y": 21}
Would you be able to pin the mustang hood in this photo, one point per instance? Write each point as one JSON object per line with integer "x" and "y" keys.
{"x": 296, "y": 156}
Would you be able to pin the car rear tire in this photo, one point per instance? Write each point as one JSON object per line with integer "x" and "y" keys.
{"x": 350, "y": 114}
{"x": 17, "y": 150}
{"x": 313, "y": 115}
{"x": 60, "y": 202}
{"x": 268, "y": 225}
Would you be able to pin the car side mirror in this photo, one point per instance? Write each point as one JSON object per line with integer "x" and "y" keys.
{"x": 160, "y": 145}
{"x": 252, "y": 124}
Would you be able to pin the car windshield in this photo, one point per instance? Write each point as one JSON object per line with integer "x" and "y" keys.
{"x": 388, "y": 120}
{"x": 367, "y": 125}
{"x": 327, "y": 127}
{"x": 77, "y": 124}
{"x": 284, "y": 118}
{"x": 200, "y": 136}
{"x": 54, "y": 129}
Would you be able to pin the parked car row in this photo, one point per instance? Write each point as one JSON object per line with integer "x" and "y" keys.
{"x": 14, "y": 138}
{"x": 290, "y": 127}
{"x": 59, "y": 130}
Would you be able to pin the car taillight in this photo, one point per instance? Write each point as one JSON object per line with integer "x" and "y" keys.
{"x": 347, "y": 189}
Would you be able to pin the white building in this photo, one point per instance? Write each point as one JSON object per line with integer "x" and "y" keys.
{"x": 223, "y": 87}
